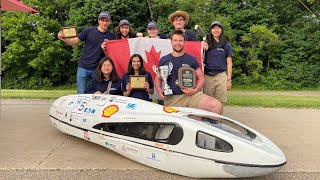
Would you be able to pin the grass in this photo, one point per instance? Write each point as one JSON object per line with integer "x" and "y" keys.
{"x": 269, "y": 101}
{"x": 274, "y": 101}
{"x": 35, "y": 94}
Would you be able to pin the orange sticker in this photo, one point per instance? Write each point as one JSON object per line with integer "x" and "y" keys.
{"x": 110, "y": 110}
{"x": 170, "y": 110}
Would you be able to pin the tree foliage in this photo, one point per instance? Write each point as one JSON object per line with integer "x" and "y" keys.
{"x": 275, "y": 43}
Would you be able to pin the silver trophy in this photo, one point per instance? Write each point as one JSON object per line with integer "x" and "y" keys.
{"x": 163, "y": 72}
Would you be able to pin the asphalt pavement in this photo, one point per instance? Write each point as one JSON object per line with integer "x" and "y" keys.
{"x": 32, "y": 148}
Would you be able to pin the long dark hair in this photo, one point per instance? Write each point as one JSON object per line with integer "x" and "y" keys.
{"x": 99, "y": 75}
{"x": 213, "y": 43}
{"x": 131, "y": 33}
{"x": 142, "y": 70}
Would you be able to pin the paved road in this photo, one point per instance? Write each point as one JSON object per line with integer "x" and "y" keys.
{"x": 31, "y": 148}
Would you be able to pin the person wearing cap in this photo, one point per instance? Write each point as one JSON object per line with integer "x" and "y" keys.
{"x": 94, "y": 38}
{"x": 179, "y": 20}
{"x": 153, "y": 31}
{"x": 125, "y": 30}
{"x": 185, "y": 97}
{"x": 218, "y": 63}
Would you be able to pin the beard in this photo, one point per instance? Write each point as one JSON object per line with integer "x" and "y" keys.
{"x": 125, "y": 35}
{"x": 180, "y": 49}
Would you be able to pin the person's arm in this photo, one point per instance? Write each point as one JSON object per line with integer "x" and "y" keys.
{"x": 70, "y": 41}
{"x": 149, "y": 84}
{"x": 229, "y": 72}
{"x": 158, "y": 85}
{"x": 128, "y": 89}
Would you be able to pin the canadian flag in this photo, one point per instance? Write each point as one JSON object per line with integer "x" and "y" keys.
{"x": 150, "y": 49}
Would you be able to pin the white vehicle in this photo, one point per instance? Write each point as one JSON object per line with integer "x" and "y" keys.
{"x": 185, "y": 141}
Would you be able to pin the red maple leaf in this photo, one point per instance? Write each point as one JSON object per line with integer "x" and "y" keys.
{"x": 153, "y": 58}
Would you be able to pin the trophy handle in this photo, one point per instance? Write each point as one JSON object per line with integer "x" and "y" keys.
{"x": 155, "y": 70}
{"x": 170, "y": 67}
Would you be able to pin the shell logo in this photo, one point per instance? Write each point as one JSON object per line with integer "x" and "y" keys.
{"x": 170, "y": 110}
{"x": 110, "y": 110}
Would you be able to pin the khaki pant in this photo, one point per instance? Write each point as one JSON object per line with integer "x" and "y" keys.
{"x": 216, "y": 86}
{"x": 184, "y": 100}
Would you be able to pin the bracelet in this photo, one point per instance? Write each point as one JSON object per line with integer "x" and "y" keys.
{"x": 229, "y": 79}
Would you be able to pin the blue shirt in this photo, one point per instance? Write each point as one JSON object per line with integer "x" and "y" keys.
{"x": 139, "y": 94}
{"x": 185, "y": 60}
{"x": 190, "y": 36}
{"x": 92, "y": 52}
{"x": 216, "y": 58}
{"x": 94, "y": 86}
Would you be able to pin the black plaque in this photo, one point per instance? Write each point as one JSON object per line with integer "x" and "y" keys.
{"x": 70, "y": 32}
{"x": 187, "y": 77}
{"x": 137, "y": 81}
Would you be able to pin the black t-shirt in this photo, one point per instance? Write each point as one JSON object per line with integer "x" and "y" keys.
{"x": 92, "y": 52}
{"x": 185, "y": 60}
{"x": 95, "y": 86}
{"x": 190, "y": 36}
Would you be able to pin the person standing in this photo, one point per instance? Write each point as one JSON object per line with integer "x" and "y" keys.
{"x": 125, "y": 30}
{"x": 153, "y": 31}
{"x": 179, "y": 20}
{"x": 92, "y": 51}
{"x": 105, "y": 80}
{"x": 218, "y": 63}
{"x": 135, "y": 67}
{"x": 188, "y": 97}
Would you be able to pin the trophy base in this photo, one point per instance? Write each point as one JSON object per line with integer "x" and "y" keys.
{"x": 168, "y": 92}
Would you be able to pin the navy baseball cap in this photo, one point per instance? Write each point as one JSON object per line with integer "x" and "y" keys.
{"x": 216, "y": 23}
{"x": 124, "y": 22}
{"x": 152, "y": 24}
{"x": 104, "y": 15}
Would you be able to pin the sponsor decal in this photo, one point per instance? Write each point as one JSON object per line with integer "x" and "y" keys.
{"x": 170, "y": 110}
{"x": 128, "y": 149}
{"x": 89, "y": 110}
{"x": 84, "y": 120}
{"x": 160, "y": 145}
{"x": 70, "y": 104}
{"x": 86, "y": 135}
{"x": 110, "y": 110}
{"x": 153, "y": 157}
{"x": 112, "y": 99}
{"x": 94, "y": 97}
{"x": 59, "y": 112}
{"x": 62, "y": 100}
{"x": 131, "y": 106}
{"x": 80, "y": 105}
{"x": 110, "y": 145}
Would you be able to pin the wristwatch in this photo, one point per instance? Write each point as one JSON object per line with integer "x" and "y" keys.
{"x": 229, "y": 79}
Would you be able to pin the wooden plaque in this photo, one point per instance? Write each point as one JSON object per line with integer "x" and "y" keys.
{"x": 70, "y": 32}
{"x": 137, "y": 81}
{"x": 187, "y": 77}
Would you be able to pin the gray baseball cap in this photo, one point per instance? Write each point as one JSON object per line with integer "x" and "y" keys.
{"x": 152, "y": 24}
{"x": 216, "y": 23}
{"x": 104, "y": 15}
{"x": 124, "y": 22}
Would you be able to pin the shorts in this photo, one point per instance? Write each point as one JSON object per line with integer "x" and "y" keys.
{"x": 216, "y": 86}
{"x": 184, "y": 100}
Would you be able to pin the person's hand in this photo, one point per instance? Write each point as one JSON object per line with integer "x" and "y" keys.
{"x": 97, "y": 92}
{"x": 146, "y": 85}
{"x": 160, "y": 93}
{"x": 189, "y": 91}
{"x": 104, "y": 44}
{"x": 61, "y": 35}
{"x": 205, "y": 46}
{"x": 229, "y": 85}
{"x": 128, "y": 87}
{"x": 139, "y": 34}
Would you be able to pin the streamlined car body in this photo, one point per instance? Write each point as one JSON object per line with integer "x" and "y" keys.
{"x": 180, "y": 140}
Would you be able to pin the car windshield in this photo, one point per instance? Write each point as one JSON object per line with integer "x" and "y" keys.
{"x": 227, "y": 126}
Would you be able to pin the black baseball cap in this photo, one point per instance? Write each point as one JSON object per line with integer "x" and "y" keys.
{"x": 104, "y": 15}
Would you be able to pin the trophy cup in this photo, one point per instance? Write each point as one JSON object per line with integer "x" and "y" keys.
{"x": 163, "y": 72}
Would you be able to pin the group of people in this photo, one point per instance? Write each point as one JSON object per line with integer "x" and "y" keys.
{"x": 95, "y": 66}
